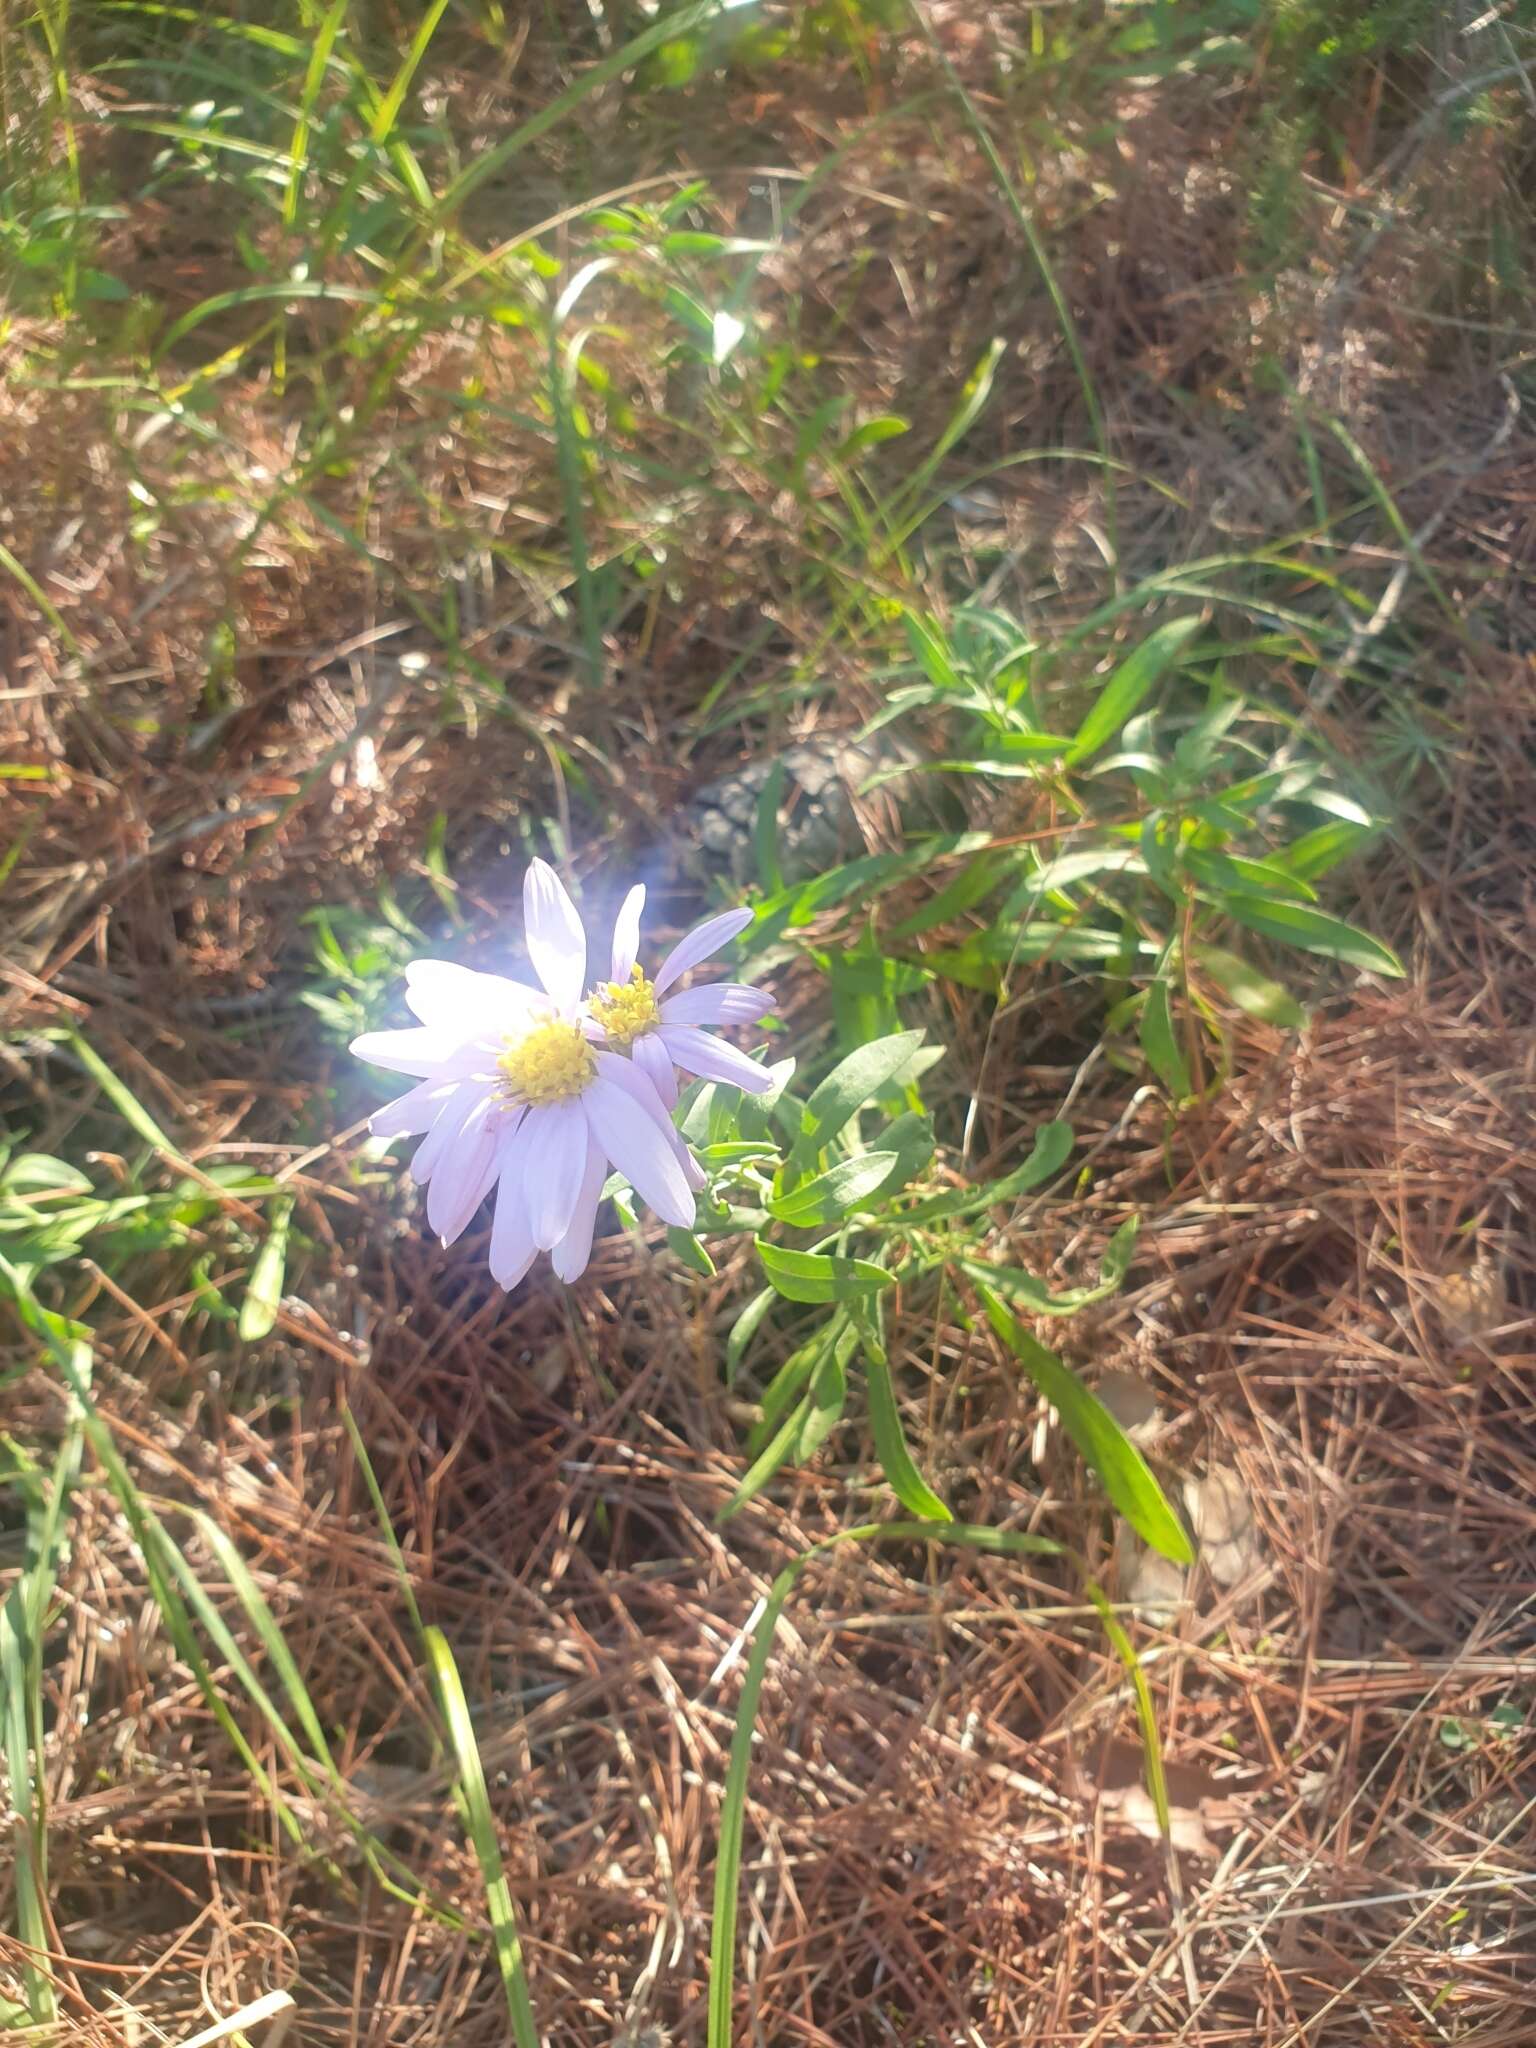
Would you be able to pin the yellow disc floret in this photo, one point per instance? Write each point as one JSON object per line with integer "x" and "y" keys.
{"x": 625, "y": 1009}
{"x": 550, "y": 1064}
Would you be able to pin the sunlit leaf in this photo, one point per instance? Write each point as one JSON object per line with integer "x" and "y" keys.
{"x": 1123, "y": 1471}
{"x": 1160, "y": 1043}
{"x": 1250, "y": 990}
{"x": 854, "y": 1081}
{"x": 819, "y": 1276}
{"x": 1297, "y": 924}
{"x": 1128, "y": 685}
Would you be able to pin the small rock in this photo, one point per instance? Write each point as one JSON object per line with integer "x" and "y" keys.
{"x": 1474, "y": 1301}
{"x": 1222, "y": 1515}
{"x": 1149, "y": 1582}
{"x": 818, "y": 822}
{"x": 1132, "y": 1403}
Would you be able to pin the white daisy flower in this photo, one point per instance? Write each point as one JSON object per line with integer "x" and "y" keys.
{"x": 517, "y": 1092}
{"x": 661, "y": 1031}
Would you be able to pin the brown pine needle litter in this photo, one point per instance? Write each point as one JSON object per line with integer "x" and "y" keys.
{"x": 297, "y": 634}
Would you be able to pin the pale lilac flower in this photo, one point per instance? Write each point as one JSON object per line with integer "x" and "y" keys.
{"x": 660, "y": 1032}
{"x": 515, "y": 1094}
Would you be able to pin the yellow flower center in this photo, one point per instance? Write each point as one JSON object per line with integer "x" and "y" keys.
{"x": 625, "y": 1009}
{"x": 550, "y": 1064}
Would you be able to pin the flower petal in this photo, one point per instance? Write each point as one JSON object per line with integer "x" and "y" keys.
{"x": 717, "y": 1002}
{"x": 458, "y": 1106}
{"x": 423, "y": 1051}
{"x": 636, "y": 1081}
{"x": 638, "y": 1146}
{"x": 513, "y": 1250}
{"x": 700, "y": 1052}
{"x": 626, "y": 933}
{"x": 569, "y": 1257}
{"x": 463, "y": 1180}
{"x": 412, "y": 1112}
{"x": 557, "y": 941}
{"x": 555, "y": 1136}
{"x": 650, "y": 1055}
{"x": 701, "y": 943}
{"x": 466, "y": 1002}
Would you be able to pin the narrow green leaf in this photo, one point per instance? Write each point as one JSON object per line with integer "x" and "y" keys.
{"x": 884, "y": 427}
{"x": 1066, "y": 872}
{"x": 679, "y": 21}
{"x": 1118, "y": 1253}
{"x": 910, "y": 1138}
{"x": 973, "y": 396}
{"x": 314, "y": 75}
{"x": 1325, "y": 847}
{"x": 264, "y": 1289}
{"x": 39, "y": 1173}
{"x": 907, "y": 1483}
{"x": 975, "y": 881}
{"x": 264, "y": 1622}
{"x": 776, "y": 1452}
{"x": 790, "y": 1381}
{"x": 1049, "y": 1154}
{"x": 826, "y": 1397}
{"x": 1018, "y": 1285}
{"x": 690, "y": 1249}
{"x": 1129, "y": 684}
{"x": 1122, "y": 1470}
{"x": 851, "y": 1083}
{"x": 23, "y": 1737}
{"x": 831, "y": 1195}
{"x": 1297, "y": 924}
{"x": 1250, "y": 990}
{"x": 1146, "y": 1713}
{"x": 1253, "y": 877}
{"x": 1019, "y": 761}
{"x": 744, "y": 1329}
{"x": 818, "y": 1276}
{"x": 1160, "y": 1043}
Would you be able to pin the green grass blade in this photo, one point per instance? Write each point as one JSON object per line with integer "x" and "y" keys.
{"x": 733, "y": 1814}
{"x": 678, "y": 23}
{"x": 314, "y": 78}
{"x": 482, "y": 1834}
{"x": 121, "y": 1096}
{"x": 1042, "y": 261}
{"x": 776, "y": 1452}
{"x": 568, "y": 462}
{"x": 23, "y": 1620}
{"x": 381, "y": 1510}
{"x": 1152, "y": 1746}
{"x": 20, "y": 1740}
{"x": 389, "y": 107}
{"x": 40, "y": 598}
{"x": 271, "y": 1636}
